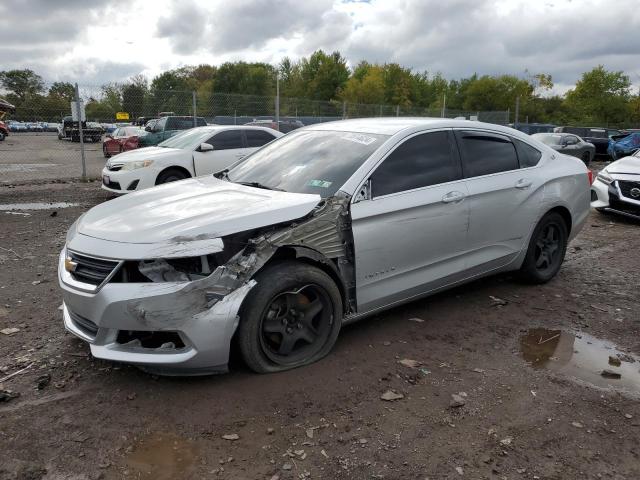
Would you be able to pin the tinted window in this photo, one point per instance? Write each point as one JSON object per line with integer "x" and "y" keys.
{"x": 184, "y": 123}
{"x": 226, "y": 140}
{"x": 419, "y": 162}
{"x": 528, "y": 156}
{"x": 483, "y": 154}
{"x": 257, "y": 138}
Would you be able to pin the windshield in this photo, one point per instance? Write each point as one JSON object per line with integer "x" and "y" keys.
{"x": 308, "y": 161}
{"x": 548, "y": 139}
{"x": 189, "y": 139}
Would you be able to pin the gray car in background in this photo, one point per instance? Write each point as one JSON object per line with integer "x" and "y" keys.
{"x": 324, "y": 226}
{"x": 569, "y": 144}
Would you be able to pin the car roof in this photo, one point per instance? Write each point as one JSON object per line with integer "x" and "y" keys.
{"x": 213, "y": 128}
{"x": 393, "y": 125}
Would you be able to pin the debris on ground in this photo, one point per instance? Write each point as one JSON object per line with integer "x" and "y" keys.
{"x": 577, "y": 424}
{"x": 614, "y": 361}
{"x": 390, "y": 396}
{"x": 9, "y": 330}
{"x": 231, "y": 436}
{"x": 417, "y": 320}
{"x": 606, "y": 373}
{"x": 457, "y": 401}
{"x": 497, "y": 302}
{"x": 42, "y": 381}
{"x": 505, "y": 442}
{"x": 8, "y": 395}
{"x": 407, "y": 362}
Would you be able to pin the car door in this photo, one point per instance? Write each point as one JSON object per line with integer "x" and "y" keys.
{"x": 228, "y": 147}
{"x": 410, "y": 229}
{"x": 111, "y": 144}
{"x": 504, "y": 199}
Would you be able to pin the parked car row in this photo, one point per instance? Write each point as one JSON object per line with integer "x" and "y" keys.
{"x": 15, "y": 126}
{"x": 295, "y": 235}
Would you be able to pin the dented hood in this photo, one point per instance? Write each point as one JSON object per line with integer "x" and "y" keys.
{"x": 191, "y": 210}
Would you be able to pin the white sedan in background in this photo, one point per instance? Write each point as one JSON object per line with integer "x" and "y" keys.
{"x": 194, "y": 152}
{"x": 617, "y": 187}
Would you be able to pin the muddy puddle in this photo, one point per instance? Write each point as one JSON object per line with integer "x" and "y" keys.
{"x": 161, "y": 456}
{"x": 582, "y": 358}
{"x": 36, "y": 206}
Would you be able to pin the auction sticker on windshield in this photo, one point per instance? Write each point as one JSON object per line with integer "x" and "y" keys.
{"x": 319, "y": 183}
{"x": 359, "y": 138}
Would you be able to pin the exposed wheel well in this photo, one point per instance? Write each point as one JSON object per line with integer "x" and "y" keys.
{"x": 316, "y": 259}
{"x": 180, "y": 169}
{"x": 566, "y": 216}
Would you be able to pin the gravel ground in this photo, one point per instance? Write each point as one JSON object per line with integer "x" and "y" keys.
{"x": 483, "y": 395}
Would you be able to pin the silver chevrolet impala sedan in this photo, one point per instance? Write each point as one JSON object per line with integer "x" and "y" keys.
{"x": 326, "y": 225}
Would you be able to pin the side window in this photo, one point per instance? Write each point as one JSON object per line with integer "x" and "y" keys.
{"x": 257, "y": 138}
{"x": 421, "y": 161}
{"x": 115, "y": 133}
{"x": 571, "y": 140}
{"x": 528, "y": 155}
{"x": 226, "y": 140}
{"x": 485, "y": 153}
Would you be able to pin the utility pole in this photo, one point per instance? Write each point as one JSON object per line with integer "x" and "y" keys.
{"x": 193, "y": 95}
{"x": 444, "y": 105}
{"x": 515, "y": 122}
{"x": 79, "y": 115}
{"x": 278, "y": 101}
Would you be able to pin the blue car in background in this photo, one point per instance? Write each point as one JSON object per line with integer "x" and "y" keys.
{"x": 623, "y": 145}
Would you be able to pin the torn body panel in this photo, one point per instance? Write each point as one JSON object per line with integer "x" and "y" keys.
{"x": 203, "y": 309}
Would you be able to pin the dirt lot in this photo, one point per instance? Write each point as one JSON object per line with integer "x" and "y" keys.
{"x": 524, "y": 413}
{"x": 29, "y": 157}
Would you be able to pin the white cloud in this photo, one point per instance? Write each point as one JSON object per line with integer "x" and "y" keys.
{"x": 71, "y": 39}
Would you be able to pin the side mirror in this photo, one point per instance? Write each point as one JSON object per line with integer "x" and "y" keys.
{"x": 205, "y": 147}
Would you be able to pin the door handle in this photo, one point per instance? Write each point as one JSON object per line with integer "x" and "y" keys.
{"x": 453, "y": 197}
{"x": 523, "y": 184}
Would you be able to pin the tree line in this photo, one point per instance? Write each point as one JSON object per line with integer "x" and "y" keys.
{"x": 323, "y": 84}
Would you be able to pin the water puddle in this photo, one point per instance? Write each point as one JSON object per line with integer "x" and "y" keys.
{"x": 36, "y": 206}
{"x": 161, "y": 456}
{"x": 582, "y": 358}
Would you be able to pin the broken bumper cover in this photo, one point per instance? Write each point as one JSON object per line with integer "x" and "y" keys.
{"x": 109, "y": 318}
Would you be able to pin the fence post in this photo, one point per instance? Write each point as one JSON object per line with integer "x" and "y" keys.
{"x": 444, "y": 105}
{"x": 344, "y": 109}
{"x": 79, "y": 114}
{"x": 278, "y": 101}
{"x": 397, "y": 110}
{"x": 515, "y": 120}
{"x": 193, "y": 97}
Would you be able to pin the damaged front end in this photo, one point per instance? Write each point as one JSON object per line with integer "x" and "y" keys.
{"x": 176, "y": 313}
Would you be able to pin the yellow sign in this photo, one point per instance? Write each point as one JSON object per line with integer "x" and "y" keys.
{"x": 122, "y": 116}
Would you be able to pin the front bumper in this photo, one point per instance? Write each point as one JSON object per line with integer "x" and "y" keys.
{"x": 611, "y": 198}
{"x": 127, "y": 181}
{"x": 110, "y": 317}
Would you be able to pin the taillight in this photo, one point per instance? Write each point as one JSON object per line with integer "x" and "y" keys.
{"x": 590, "y": 174}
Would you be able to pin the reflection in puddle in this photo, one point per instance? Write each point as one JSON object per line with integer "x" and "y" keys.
{"x": 583, "y": 358}
{"x": 162, "y": 456}
{"x": 36, "y": 206}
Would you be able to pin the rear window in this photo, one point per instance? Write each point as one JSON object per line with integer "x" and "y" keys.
{"x": 485, "y": 153}
{"x": 527, "y": 155}
{"x": 257, "y": 138}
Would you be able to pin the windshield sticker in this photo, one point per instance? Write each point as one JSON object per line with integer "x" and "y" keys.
{"x": 359, "y": 138}
{"x": 319, "y": 183}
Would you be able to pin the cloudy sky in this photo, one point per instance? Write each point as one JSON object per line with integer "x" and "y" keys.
{"x": 78, "y": 41}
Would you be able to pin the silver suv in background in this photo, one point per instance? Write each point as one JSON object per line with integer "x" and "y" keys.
{"x": 324, "y": 226}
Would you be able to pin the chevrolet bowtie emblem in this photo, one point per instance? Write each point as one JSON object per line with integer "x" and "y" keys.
{"x": 70, "y": 265}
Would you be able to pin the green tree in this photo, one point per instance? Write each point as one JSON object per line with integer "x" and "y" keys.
{"x": 21, "y": 83}
{"x": 323, "y": 75}
{"x": 600, "y": 97}
{"x": 62, "y": 90}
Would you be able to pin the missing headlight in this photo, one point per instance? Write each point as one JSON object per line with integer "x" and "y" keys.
{"x": 167, "y": 270}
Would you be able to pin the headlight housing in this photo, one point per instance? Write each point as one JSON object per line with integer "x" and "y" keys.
{"x": 136, "y": 165}
{"x": 605, "y": 178}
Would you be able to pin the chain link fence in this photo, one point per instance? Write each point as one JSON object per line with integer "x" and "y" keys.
{"x": 43, "y": 144}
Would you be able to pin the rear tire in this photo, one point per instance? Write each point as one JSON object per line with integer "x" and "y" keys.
{"x": 291, "y": 318}
{"x": 586, "y": 158}
{"x": 171, "y": 175}
{"x": 2, "y": 135}
{"x": 546, "y": 251}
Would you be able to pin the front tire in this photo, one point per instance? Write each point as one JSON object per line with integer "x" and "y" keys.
{"x": 171, "y": 175}
{"x": 291, "y": 318}
{"x": 2, "y": 135}
{"x": 586, "y": 158}
{"x": 546, "y": 251}
{"x": 105, "y": 151}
